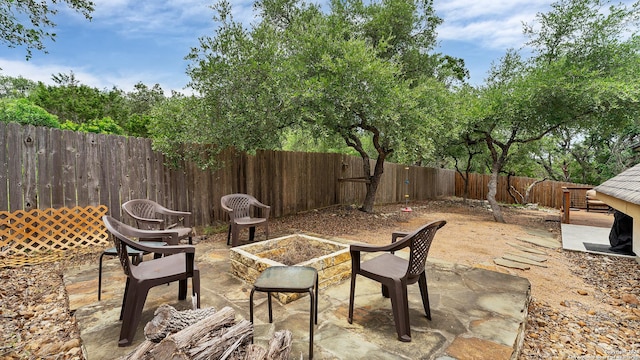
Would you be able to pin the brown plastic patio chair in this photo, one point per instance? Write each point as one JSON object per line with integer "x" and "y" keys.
{"x": 177, "y": 264}
{"x": 238, "y": 206}
{"x": 395, "y": 273}
{"x": 149, "y": 215}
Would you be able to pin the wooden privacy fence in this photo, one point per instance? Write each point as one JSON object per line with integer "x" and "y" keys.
{"x": 44, "y": 168}
{"x": 546, "y": 193}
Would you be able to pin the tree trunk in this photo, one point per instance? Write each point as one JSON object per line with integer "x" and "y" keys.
{"x": 372, "y": 186}
{"x": 491, "y": 197}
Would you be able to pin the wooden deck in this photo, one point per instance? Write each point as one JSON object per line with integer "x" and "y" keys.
{"x": 591, "y": 218}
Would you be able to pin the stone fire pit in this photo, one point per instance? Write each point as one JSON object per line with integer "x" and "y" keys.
{"x": 330, "y": 258}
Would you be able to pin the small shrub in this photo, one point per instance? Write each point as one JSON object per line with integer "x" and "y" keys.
{"x": 25, "y": 112}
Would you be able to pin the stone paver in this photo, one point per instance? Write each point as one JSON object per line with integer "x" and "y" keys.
{"x": 477, "y": 313}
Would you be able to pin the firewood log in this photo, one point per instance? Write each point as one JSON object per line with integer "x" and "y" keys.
{"x": 140, "y": 352}
{"x": 255, "y": 352}
{"x": 168, "y": 320}
{"x": 214, "y": 336}
{"x": 280, "y": 345}
{"x": 171, "y": 346}
{"x": 215, "y": 347}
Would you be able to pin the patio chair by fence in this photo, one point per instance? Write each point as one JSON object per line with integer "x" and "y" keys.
{"x": 395, "y": 273}
{"x": 177, "y": 264}
{"x": 149, "y": 215}
{"x": 238, "y": 206}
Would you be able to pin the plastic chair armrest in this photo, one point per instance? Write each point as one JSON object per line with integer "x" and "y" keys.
{"x": 398, "y": 234}
{"x": 165, "y": 211}
{"x": 164, "y": 250}
{"x": 147, "y": 220}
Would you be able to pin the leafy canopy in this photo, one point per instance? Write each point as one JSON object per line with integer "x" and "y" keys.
{"x": 364, "y": 73}
{"x": 30, "y": 23}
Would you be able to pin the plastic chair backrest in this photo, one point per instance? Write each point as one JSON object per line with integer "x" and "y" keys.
{"x": 420, "y": 244}
{"x": 240, "y": 203}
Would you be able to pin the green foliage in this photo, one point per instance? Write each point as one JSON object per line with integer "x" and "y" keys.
{"x": 80, "y": 106}
{"x": 69, "y": 125}
{"x": 25, "y": 112}
{"x": 99, "y": 126}
{"x": 303, "y": 140}
{"x": 595, "y": 46}
{"x": 174, "y": 124}
{"x": 72, "y": 101}
{"x": 139, "y": 104}
{"x": 29, "y": 23}
{"x": 15, "y": 87}
{"x": 105, "y": 125}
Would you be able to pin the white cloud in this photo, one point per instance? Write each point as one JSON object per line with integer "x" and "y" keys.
{"x": 122, "y": 80}
{"x": 148, "y": 18}
{"x": 495, "y": 24}
{"x": 43, "y": 73}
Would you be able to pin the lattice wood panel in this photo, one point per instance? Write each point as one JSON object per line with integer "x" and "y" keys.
{"x": 37, "y": 232}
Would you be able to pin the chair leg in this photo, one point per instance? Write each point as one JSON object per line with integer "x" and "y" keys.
{"x": 351, "y": 297}
{"x": 132, "y": 315}
{"x": 400, "y": 306}
{"x": 195, "y": 282}
{"x": 266, "y": 231}
{"x": 316, "y": 311}
{"x": 182, "y": 289}
{"x": 385, "y": 291}
{"x": 424, "y": 291}
{"x": 229, "y": 235}
{"x": 253, "y": 290}
{"x": 312, "y": 317}
{"x": 100, "y": 277}
{"x": 270, "y": 307}
{"x": 235, "y": 235}
{"x": 252, "y": 233}
{"x": 124, "y": 298}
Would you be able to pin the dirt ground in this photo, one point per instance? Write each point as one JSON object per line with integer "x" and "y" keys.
{"x": 472, "y": 237}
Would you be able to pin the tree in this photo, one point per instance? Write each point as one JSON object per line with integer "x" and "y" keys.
{"x": 581, "y": 75}
{"x": 73, "y": 101}
{"x": 29, "y": 23}
{"x": 15, "y": 87}
{"x": 360, "y": 71}
{"x": 139, "y": 104}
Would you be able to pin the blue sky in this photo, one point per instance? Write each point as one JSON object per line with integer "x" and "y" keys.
{"x": 131, "y": 41}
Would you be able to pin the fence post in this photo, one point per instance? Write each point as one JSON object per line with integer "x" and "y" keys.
{"x": 566, "y": 205}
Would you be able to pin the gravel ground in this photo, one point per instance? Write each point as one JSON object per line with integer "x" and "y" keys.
{"x": 37, "y": 324}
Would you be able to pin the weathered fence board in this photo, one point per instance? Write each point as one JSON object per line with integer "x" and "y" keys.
{"x": 69, "y": 153}
{"x": 4, "y": 166}
{"x": 83, "y": 159}
{"x": 546, "y": 193}
{"x": 14, "y": 166}
{"x": 55, "y": 168}
{"x": 29, "y": 168}
{"x": 44, "y": 164}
